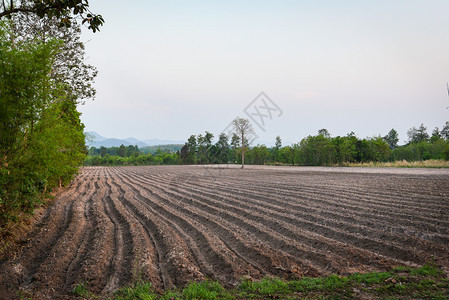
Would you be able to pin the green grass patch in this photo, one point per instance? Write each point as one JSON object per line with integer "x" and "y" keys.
{"x": 81, "y": 290}
{"x": 428, "y": 281}
{"x": 139, "y": 290}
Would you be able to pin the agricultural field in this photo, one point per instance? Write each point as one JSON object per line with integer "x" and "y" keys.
{"x": 171, "y": 225}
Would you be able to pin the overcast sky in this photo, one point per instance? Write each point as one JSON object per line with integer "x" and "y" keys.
{"x": 169, "y": 69}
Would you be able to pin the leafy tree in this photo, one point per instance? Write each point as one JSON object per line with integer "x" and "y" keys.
{"x": 235, "y": 142}
{"x": 348, "y": 148}
{"x": 103, "y": 151}
{"x": 445, "y": 131}
{"x": 185, "y": 154}
{"x": 392, "y": 138}
{"x": 204, "y": 147}
{"x": 286, "y": 155}
{"x": 275, "y": 150}
{"x": 122, "y": 150}
{"x": 65, "y": 12}
{"x": 324, "y": 132}
{"x": 258, "y": 155}
{"x": 417, "y": 135}
{"x": 436, "y": 135}
{"x": 243, "y": 128}
{"x": 41, "y": 136}
{"x": 192, "y": 144}
{"x": 278, "y": 143}
{"x": 316, "y": 151}
{"x": 222, "y": 148}
{"x": 380, "y": 149}
{"x": 69, "y": 67}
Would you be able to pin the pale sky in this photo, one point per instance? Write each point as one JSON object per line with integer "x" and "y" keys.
{"x": 169, "y": 69}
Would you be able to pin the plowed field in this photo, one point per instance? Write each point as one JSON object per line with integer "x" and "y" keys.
{"x": 171, "y": 225}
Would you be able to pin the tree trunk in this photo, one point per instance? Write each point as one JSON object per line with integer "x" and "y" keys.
{"x": 243, "y": 151}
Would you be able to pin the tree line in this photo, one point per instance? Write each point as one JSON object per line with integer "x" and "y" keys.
{"x": 43, "y": 78}
{"x": 131, "y": 155}
{"x": 315, "y": 150}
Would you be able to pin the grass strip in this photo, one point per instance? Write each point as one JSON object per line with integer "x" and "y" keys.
{"x": 428, "y": 281}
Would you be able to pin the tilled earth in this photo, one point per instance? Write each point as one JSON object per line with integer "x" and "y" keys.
{"x": 174, "y": 224}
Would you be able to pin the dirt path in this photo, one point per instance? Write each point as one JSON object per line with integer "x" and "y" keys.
{"x": 172, "y": 225}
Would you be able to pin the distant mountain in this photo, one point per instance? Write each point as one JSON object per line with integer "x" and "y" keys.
{"x": 94, "y": 139}
{"x": 92, "y": 135}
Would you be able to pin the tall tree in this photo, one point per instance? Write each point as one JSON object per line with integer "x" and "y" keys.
{"x": 417, "y": 135}
{"x": 41, "y": 135}
{"x": 324, "y": 132}
{"x": 222, "y": 148}
{"x": 193, "y": 148}
{"x": 278, "y": 143}
{"x": 122, "y": 150}
{"x": 103, "y": 151}
{"x": 436, "y": 135}
{"x": 185, "y": 153}
{"x": 244, "y": 129}
{"x": 69, "y": 67}
{"x": 445, "y": 131}
{"x": 392, "y": 138}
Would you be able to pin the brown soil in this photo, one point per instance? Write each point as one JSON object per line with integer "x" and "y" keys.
{"x": 172, "y": 225}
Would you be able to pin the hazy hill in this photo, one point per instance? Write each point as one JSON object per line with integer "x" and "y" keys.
{"x": 96, "y": 140}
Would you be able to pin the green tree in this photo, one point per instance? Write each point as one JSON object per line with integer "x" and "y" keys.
{"x": 392, "y": 138}
{"x": 417, "y": 135}
{"x": 278, "y": 143}
{"x": 222, "y": 149}
{"x": 445, "y": 131}
{"x": 324, "y": 132}
{"x": 381, "y": 150}
{"x": 275, "y": 150}
{"x": 204, "y": 147}
{"x": 258, "y": 154}
{"x": 122, "y": 151}
{"x": 103, "y": 151}
{"x": 287, "y": 155}
{"x": 41, "y": 136}
{"x": 316, "y": 151}
{"x": 192, "y": 146}
{"x": 436, "y": 135}
{"x": 69, "y": 67}
{"x": 185, "y": 154}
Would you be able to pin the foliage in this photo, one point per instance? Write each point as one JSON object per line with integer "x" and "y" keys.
{"x": 417, "y": 135}
{"x": 64, "y": 11}
{"x": 139, "y": 290}
{"x": 392, "y": 138}
{"x": 159, "y": 158}
{"x": 41, "y": 136}
{"x": 68, "y": 67}
{"x": 203, "y": 290}
{"x": 321, "y": 149}
{"x": 81, "y": 290}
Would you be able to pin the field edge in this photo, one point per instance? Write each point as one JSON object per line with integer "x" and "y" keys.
{"x": 428, "y": 281}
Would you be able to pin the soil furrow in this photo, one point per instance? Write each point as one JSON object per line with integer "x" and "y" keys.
{"x": 264, "y": 217}
{"x": 314, "y": 205}
{"x": 267, "y": 236}
{"x": 171, "y": 225}
{"x": 213, "y": 262}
